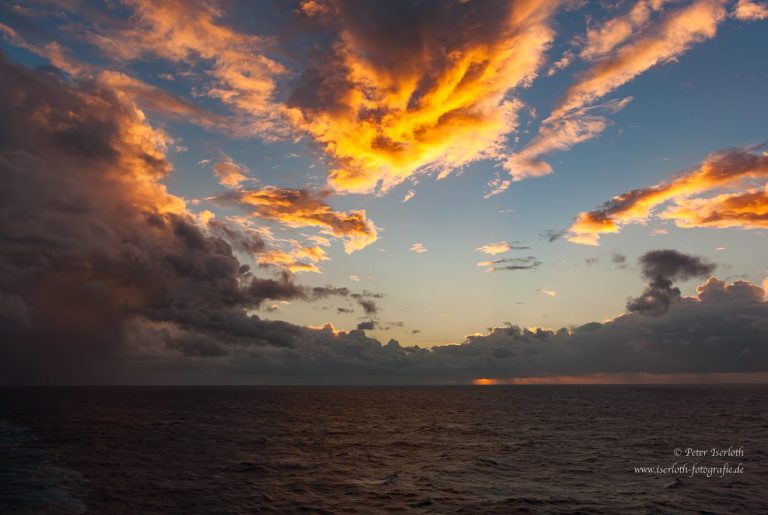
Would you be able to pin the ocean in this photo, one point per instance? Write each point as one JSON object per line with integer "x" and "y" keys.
{"x": 422, "y": 449}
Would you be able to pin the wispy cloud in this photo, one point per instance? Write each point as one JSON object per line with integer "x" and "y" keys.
{"x": 622, "y": 57}
{"x": 510, "y": 264}
{"x": 729, "y": 168}
{"x": 548, "y": 291}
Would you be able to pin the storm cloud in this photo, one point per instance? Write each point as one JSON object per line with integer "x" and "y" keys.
{"x": 90, "y": 236}
{"x": 661, "y": 268}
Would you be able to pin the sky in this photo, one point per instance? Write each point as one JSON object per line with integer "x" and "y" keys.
{"x": 383, "y": 192}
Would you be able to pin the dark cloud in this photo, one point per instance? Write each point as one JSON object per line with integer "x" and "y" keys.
{"x": 551, "y": 235}
{"x": 91, "y": 238}
{"x": 620, "y": 260}
{"x": 511, "y": 264}
{"x": 592, "y": 261}
{"x": 320, "y": 292}
{"x": 344, "y": 310}
{"x": 661, "y": 268}
{"x": 249, "y": 243}
{"x": 369, "y": 306}
{"x": 724, "y": 328}
{"x": 368, "y": 325}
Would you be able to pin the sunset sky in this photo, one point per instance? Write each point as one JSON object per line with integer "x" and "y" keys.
{"x": 232, "y": 191}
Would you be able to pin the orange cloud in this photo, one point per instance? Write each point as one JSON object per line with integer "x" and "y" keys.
{"x": 748, "y": 210}
{"x": 286, "y": 260}
{"x": 243, "y": 77}
{"x": 302, "y": 208}
{"x": 128, "y": 88}
{"x": 615, "y": 31}
{"x": 619, "y": 62}
{"x": 431, "y": 102}
{"x": 560, "y": 134}
{"x": 437, "y": 105}
{"x": 676, "y": 33}
{"x": 750, "y": 11}
{"x": 153, "y": 98}
{"x": 724, "y": 169}
{"x": 230, "y": 173}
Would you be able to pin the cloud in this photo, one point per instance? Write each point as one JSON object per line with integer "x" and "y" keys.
{"x": 605, "y": 37}
{"x": 418, "y": 248}
{"x": 492, "y": 249}
{"x": 128, "y": 88}
{"x": 620, "y": 260}
{"x": 750, "y": 11}
{"x": 746, "y": 210}
{"x": 244, "y": 78}
{"x": 408, "y": 196}
{"x": 662, "y": 43}
{"x": 305, "y": 208}
{"x": 561, "y": 133}
{"x": 434, "y": 98}
{"x": 551, "y": 235}
{"x": 661, "y": 268}
{"x": 561, "y": 63}
{"x": 286, "y": 260}
{"x": 574, "y": 120}
{"x": 370, "y": 325}
{"x": 382, "y": 109}
{"x": 723, "y": 329}
{"x": 369, "y": 306}
{"x": 549, "y": 292}
{"x": 91, "y": 237}
{"x": 724, "y": 169}
{"x": 150, "y": 97}
{"x": 230, "y": 173}
{"x": 510, "y": 264}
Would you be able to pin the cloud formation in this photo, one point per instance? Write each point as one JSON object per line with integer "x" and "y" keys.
{"x": 748, "y": 10}
{"x": 305, "y": 208}
{"x": 661, "y": 268}
{"x": 91, "y": 237}
{"x": 243, "y": 76}
{"x": 434, "y": 98}
{"x": 559, "y": 133}
{"x": 605, "y": 37}
{"x": 620, "y": 57}
{"x": 675, "y": 34}
{"x": 724, "y": 169}
{"x": 492, "y": 249}
{"x": 510, "y": 264}
{"x": 230, "y": 173}
{"x": 723, "y": 329}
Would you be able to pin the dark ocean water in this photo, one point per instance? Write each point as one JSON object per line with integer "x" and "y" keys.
{"x": 532, "y": 449}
